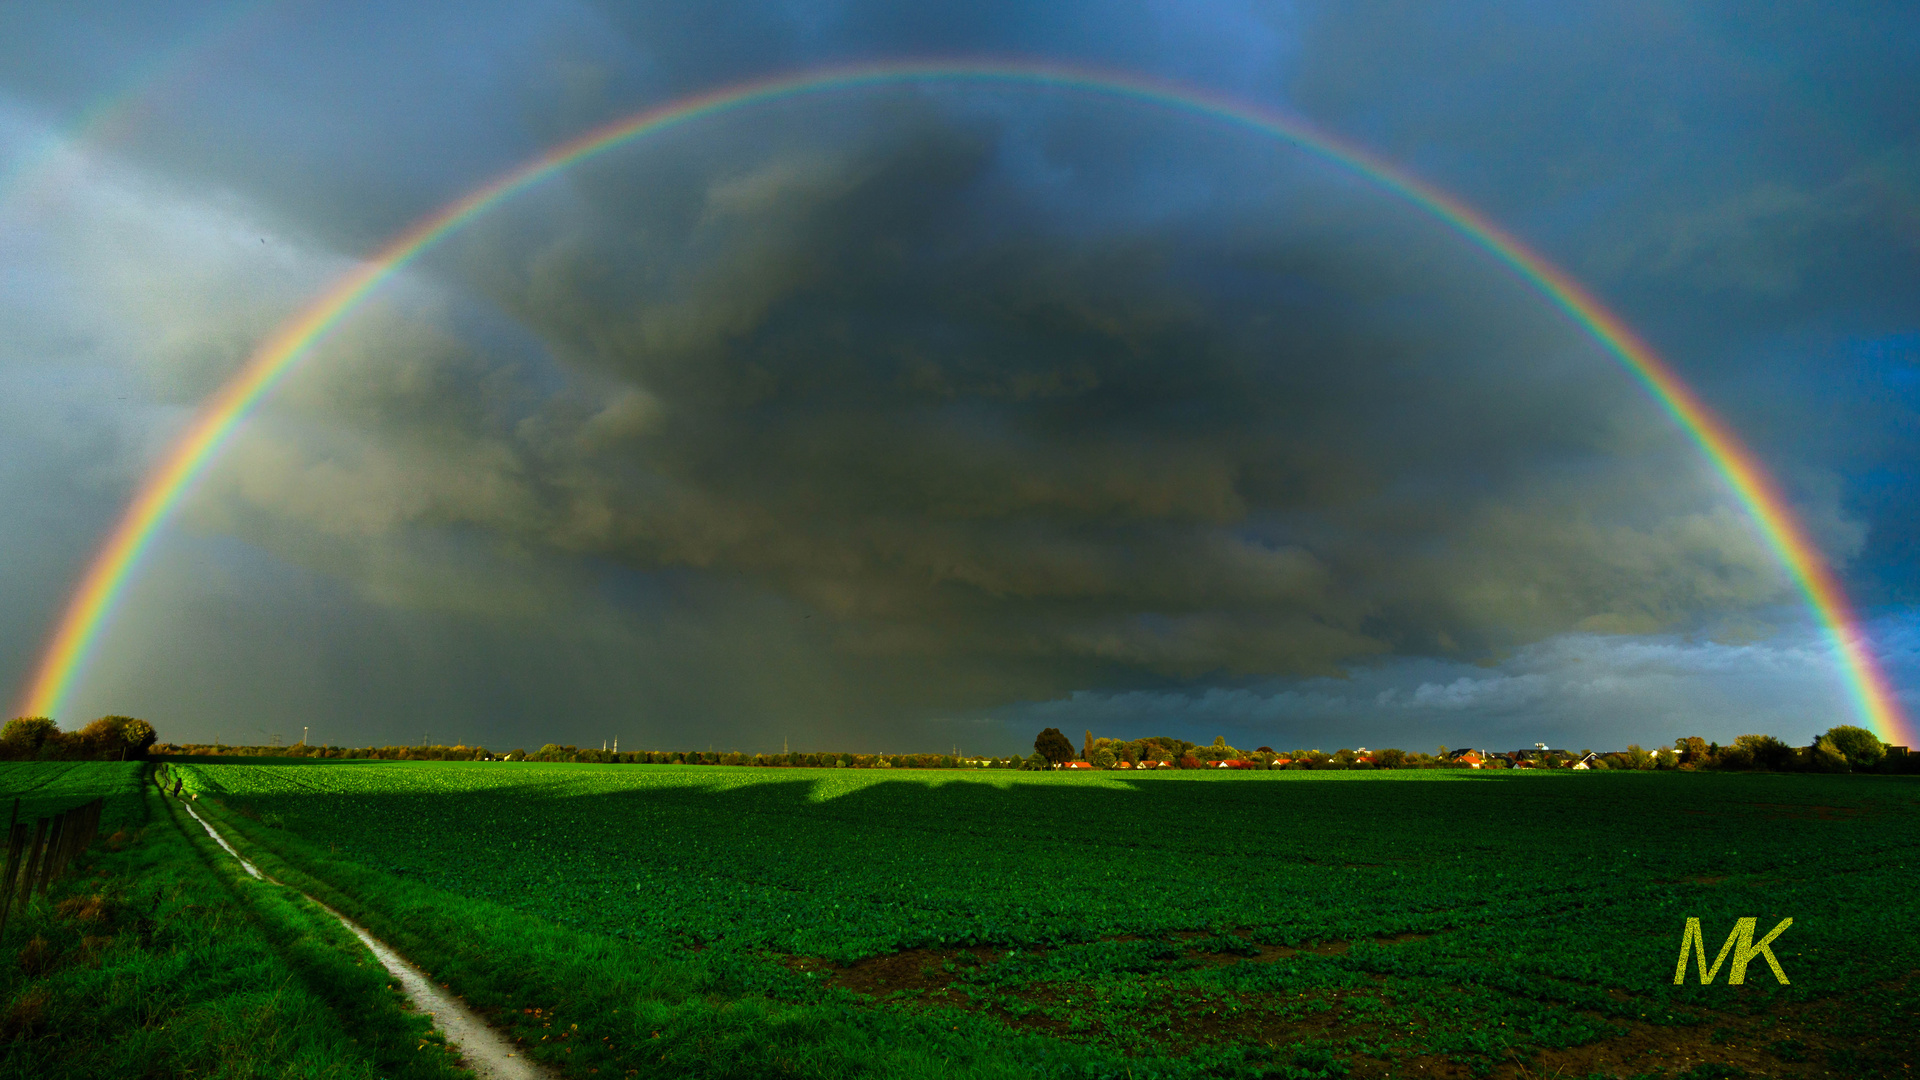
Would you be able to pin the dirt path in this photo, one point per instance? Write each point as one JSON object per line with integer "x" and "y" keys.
{"x": 488, "y": 1053}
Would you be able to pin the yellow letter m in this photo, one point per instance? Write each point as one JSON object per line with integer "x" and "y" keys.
{"x": 1740, "y": 943}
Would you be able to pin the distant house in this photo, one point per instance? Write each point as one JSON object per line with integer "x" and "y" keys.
{"x": 1587, "y": 761}
{"x": 1123, "y": 763}
{"x": 1076, "y": 765}
{"x": 1233, "y": 763}
{"x": 1282, "y": 761}
{"x": 1469, "y": 757}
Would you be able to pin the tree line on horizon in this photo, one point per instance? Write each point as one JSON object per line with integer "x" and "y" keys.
{"x": 1845, "y": 748}
{"x": 110, "y": 738}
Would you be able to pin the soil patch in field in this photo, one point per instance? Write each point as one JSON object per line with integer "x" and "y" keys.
{"x": 931, "y": 970}
{"x": 1810, "y": 1040}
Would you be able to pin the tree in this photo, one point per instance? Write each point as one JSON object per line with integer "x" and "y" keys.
{"x": 1390, "y": 758}
{"x": 1036, "y": 763}
{"x": 1053, "y": 746}
{"x": 1765, "y": 751}
{"x": 1086, "y": 748}
{"x": 1860, "y": 747}
{"x": 1827, "y": 757}
{"x": 1103, "y": 758}
{"x": 137, "y": 735}
{"x": 111, "y": 738}
{"x": 23, "y": 736}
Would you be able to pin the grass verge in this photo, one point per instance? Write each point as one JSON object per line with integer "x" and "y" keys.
{"x": 156, "y": 956}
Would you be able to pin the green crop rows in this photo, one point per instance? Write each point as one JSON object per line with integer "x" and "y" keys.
{"x": 48, "y": 787}
{"x": 1484, "y": 918}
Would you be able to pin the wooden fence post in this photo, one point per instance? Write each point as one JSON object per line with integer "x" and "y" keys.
{"x": 16, "y": 842}
{"x": 33, "y": 858}
{"x": 32, "y": 865}
{"x": 46, "y": 859}
{"x": 62, "y": 851}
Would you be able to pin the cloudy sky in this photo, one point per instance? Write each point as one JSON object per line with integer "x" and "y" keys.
{"x": 929, "y": 414}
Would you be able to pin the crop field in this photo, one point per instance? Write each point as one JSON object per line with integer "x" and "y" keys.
{"x": 1281, "y": 923}
{"x": 155, "y": 955}
{"x": 48, "y": 787}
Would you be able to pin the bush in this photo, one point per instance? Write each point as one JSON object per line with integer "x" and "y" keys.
{"x": 23, "y": 737}
{"x": 1860, "y": 747}
{"x": 1734, "y": 757}
{"x": 1767, "y": 751}
{"x": 1827, "y": 757}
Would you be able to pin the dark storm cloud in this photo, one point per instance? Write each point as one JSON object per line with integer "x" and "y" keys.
{"x": 891, "y": 380}
{"x": 1723, "y": 176}
{"x": 841, "y": 417}
{"x": 1740, "y": 183}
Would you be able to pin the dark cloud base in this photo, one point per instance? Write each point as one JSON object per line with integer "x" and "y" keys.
{"x": 851, "y": 418}
{"x": 988, "y": 435}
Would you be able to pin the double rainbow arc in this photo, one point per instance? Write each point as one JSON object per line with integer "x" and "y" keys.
{"x": 88, "y": 612}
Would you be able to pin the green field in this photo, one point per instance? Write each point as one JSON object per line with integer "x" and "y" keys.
{"x": 1278, "y": 923}
{"x": 156, "y": 957}
{"x": 44, "y": 788}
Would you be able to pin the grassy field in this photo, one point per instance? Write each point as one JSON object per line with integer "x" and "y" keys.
{"x": 1287, "y": 924}
{"x": 44, "y": 788}
{"x": 156, "y": 957}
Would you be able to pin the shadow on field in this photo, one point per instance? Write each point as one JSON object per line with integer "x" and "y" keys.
{"x": 1529, "y": 922}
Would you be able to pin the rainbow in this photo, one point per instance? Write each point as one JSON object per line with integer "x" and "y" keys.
{"x": 91, "y": 606}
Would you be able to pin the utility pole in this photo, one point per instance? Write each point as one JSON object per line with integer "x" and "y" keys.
{"x": 303, "y": 734}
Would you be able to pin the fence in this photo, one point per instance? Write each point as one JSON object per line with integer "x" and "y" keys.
{"x": 32, "y": 864}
